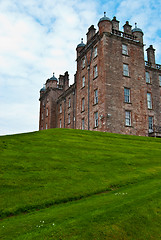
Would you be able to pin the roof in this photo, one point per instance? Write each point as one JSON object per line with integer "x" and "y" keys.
{"x": 81, "y": 44}
{"x": 53, "y": 78}
{"x": 136, "y": 29}
{"x": 43, "y": 89}
{"x": 104, "y": 18}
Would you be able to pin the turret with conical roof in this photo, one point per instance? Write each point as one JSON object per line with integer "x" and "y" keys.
{"x": 104, "y": 24}
{"x": 138, "y": 33}
{"x": 52, "y": 82}
{"x": 79, "y": 47}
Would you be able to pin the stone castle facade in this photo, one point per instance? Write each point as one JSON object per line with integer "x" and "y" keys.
{"x": 114, "y": 90}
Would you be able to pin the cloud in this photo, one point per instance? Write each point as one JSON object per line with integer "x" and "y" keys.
{"x": 38, "y": 37}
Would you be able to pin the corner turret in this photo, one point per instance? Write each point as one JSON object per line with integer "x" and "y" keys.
{"x": 138, "y": 33}
{"x": 105, "y": 24}
{"x": 80, "y": 46}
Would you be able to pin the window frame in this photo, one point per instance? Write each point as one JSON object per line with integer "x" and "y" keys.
{"x": 83, "y": 63}
{"x": 96, "y": 119}
{"x": 69, "y": 102}
{"x": 124, "y": 50}
{"x": 47, "y": 112}
{"x": 83, "y": 105}
{"x": 127, "y": 97}
{"x": 126, "y": 70}
{"x": 147, "y": 77}
{"x": 83, "y": 126}
{"x": 95, "y": 51}
{"x": 159, "y": 80}
{"x": 150, "y": 123}
{"x": 95, "y": 73}
{"x": 96, "y": 96}
{"x": 60, "y": 108}
{"x": 149, "y": 100}
{"x": 83, "y": 81}
{"x": 69, "y": 118}
{"x": 127, "y": 118}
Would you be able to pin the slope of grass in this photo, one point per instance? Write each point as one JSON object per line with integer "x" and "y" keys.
{"x": 91, "y": 185}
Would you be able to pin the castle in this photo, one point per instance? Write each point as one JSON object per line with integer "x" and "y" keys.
{"x": 114, "y": 90}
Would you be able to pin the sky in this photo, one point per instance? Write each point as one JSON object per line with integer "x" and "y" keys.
{"x": 39, "y": 37}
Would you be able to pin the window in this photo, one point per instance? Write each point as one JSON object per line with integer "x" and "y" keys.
{"x": 124, "y": 49}
{"x": 127, "y": 95}
{"x": 83, "y": 81}
{"x": 46, "y": 126}
{"x": 95, "y": 71}
{"x": 150, "y": 124}
{"x": 149, "y": 101}
{"x": 83, "y": 63}
{"x": 60, "y": 123}
{"x": 147, "y": 75}
{"x": 47, "y": 112}
{"x": 60, "y": 108}
{"x": 83, "y": 102}
{"x": 95, "y": 52}
{"x": 160, "y": 80}
{"x": 69, "y": 103}
{"x": 96, "y": 119}
{"x": 69, "y": 118}
{"x": 125, "y": 70}
{"x": 127, "y": 118}
{"x": 83, "y": 124}
{"x": 96, "y": 96}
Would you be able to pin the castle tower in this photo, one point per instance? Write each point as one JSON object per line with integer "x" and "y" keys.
{"x": 48, "y": 97}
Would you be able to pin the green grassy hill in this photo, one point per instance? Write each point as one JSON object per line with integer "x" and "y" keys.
{"x": 72, "y": 184}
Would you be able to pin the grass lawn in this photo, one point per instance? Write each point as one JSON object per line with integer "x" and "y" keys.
{"x": 80, "y": 185}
